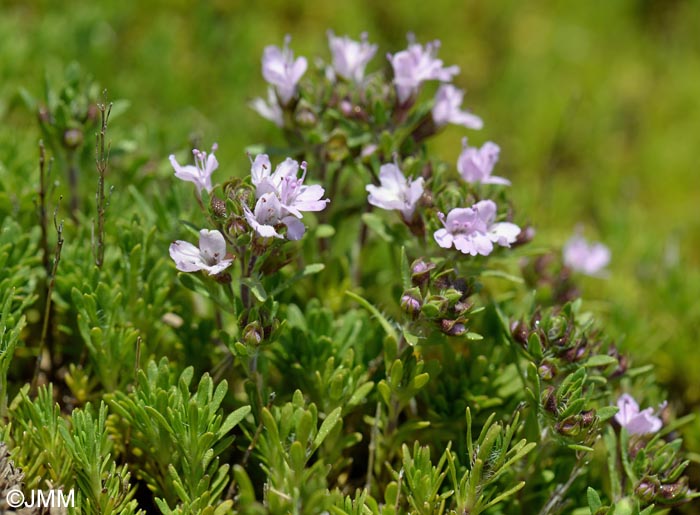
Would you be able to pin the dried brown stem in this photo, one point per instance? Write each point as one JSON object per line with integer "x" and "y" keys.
{"x": 101, "y": 162}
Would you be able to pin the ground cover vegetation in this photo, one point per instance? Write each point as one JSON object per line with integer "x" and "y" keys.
{"x": 257, "y": 273}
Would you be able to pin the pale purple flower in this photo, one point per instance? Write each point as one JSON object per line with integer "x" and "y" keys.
{"x": 395, "y": 191}
{"x": 368, "y": 150}
{"x": 200, "y": 172}
{"x": 293, "y": 196}
{"x": 637, "y": 422}
{"x": 270, "y": 109}
{"x": 589, "y": 259}
{"x": 476, "y": 164}
{"x": 209, "y": 256}
{"x": 417, "y": 64}
{"x": 447, "y": 109}
{"x": 473, "y": 230}
{"x": 349, "y": 56}
{"x": 268, "y": 215}
{"x": 281, "y": 70}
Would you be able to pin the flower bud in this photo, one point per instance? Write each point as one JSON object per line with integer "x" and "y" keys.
{"x": 420, "y": 272}
{"x": 520, "y": 332}
{"x": 636, "y": 444}
{"x": 237, "y": 226}
{"x": 72, "y": 138}
{"x": 462, "y": 307}
{"x": 253, "y": 334}
{"x": 368, "y": 150}
{"x": 570, "y": 426}
{"x": 305, "y": 117}
{"x": 588, "y": 417}
{"x": 547, "y": 370}
{"x": 550, "y": 401}
{"x": 463, "y": 287}
{"x": 674, "y": 492}
{"x": 411, "y": 301}
{"x": 452, "y": 327}
{"x": 646, "y": 489}
{"x": 575, "y": 354}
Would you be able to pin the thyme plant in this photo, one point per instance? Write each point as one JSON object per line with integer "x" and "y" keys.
{"x": 349, "y": 324}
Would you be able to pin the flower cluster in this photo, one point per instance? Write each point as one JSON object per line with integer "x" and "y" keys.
{"x": 281, "y": 197}
{"x": 360, "y": 137}
{"x": 411, "y": 67}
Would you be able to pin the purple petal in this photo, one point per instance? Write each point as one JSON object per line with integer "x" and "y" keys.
{"x": 260, "y": 168}
{"x": 295, "y": 228}
{"x": 288, "y": 167}
{"x": 504, "y": 233}
{"x": 186, "y": 256}
{"x": 643, "y": 423}
{"x": 310, "y": 198}
{"x": 383, "y": 197}
{"x": 627, "y": 409}
{"x": 212, "y": 246}
{"x": 443, "y": 238}
{"x": 219, "y": 267}
{"x": 460, "y": 217}
{"x": 496, "y": 180}
{"x": 486, "y": 211}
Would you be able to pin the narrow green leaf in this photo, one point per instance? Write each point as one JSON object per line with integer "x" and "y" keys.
{"x": 600, "y": 360}
{"x": 233, "y": 420}
{"x": 256, "y": 288}
{"x": 326, "y": 427}
{"x": 606, "y": 412}
{"x": 578, "y": 447}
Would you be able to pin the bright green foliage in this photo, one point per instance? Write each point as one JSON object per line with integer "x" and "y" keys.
{"x": 491, "y": 455}
{"x": 38, "y": 445}
{"x": 422, "y": 480}
{"x": 178, "y": 437}
{"x": 103, "y": 487}
{"x": 18, "y": 279}
{"x": 322, "y": 355}
{"x": 290, "y": 436}
{"x": 333, "y": 374}
{"x": 116, "y": 304}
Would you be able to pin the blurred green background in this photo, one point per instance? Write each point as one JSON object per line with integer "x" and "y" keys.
{"x": 596, "y": 106}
